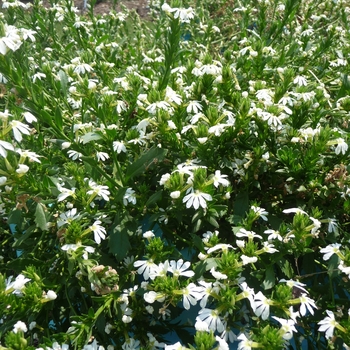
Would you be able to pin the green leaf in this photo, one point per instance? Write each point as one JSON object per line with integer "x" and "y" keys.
{"x": 58, "y": 118}
{"x": 64, "y": 82}
{"x": 119, "y": 244}
{"x": 146, "y": 162}
{"x": 286, "y": 268}
{"x": 154, "y": 198}
{"x": 16, "y": 218}
{"x": 241, "y": 204}
{"x": 90, "y": 136}
{"x": 40, "y": 218}
{"x": 269, "y": 280}
{"x": 24, "y": 237}
{"x": 213, "y": 222}
{"x": 197, "y": 242}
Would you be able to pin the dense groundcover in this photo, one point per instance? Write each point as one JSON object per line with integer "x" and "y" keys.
{"x": 178, "y": 182}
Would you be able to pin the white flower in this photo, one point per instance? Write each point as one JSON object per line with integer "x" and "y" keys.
{"x": 4, "y": 145}
{"x": 20, "y": 327}
{"x": 185, "y": 15}
{"x": 152, "y": 296}
{"x": 68, "y": 217}
{"x": 262, "y": 305}
{"x": 179, "y": 268}
{"x": 65, "y": 192}
{"x": 175, "y": 194}
{"x": 343, "y": 268}
{"x": 145, "y": 267}
{"x": 316, "y": 226}
{"x": 164, "y": 179}
{"x": 172, "y": 96}
{"x": 131, "y": 344}
{"x": 65, "y": 145}
{"x": 22, "y": 169}
{"x": 245, "y": 343}
{"x": 294, "y": 210}
{"x": 176, "y": 346}
{"x": 221, "y": 246}
{"x": 18, "y": 129}
{"x": 11, "y": 40}
{"x": 196, "y": 199}
{"x": 159, "y": 271}
{"x": 3, "y": 180}
{"x": 342, "y": 146}
{"x": 102, "y": 156}
{"x": 218, "y": 275}
{"x": 108, "y": 328}
{"x": 261, "y": 212}
{"x": 249, "y": 234}
{"x": 98, "y": 190}
{"x": 207, "y": 289}
{"x": 127, "y": 315}
{"x": 191, "y": 294}
{"x": 69, "y": 248}
{"x": 295, "y": 284}
{"x": 268, "y": 248}
{"x": 212, "y": 319}
{"x": 74, "y": 155}
{"x": 306, "y": 304}
{"x": 220, "y": 179}
{"x": 51, "y": 295}
{"x": 248, "y": 259}
{"x": 293, "y": 315}
{"x": 330, "y": 250}
{"x": 300, "y": 81}
{"x": 29, "y": 117}
{"x": 194, "y": 107}
{"x": 328, "y": 324}
{"x": 18, "y": 284}
{"x": 332, "y": 226}
{"x": 287, "y": 327}
{"x": 222, "y": 343}
{"x": 148, "y": 234}
{"x": 5, "y": 115}
{"x": 119, "y": 147}
{"x": 38, "y": 76}
{"x": 273, "y": 235}
{"x": 160, "y": 105}
{"x": 166, "y": 8}
{"x": 129, "y": 196}
{"x": 247, "y": 293}
{"x": 201, "y": 326}
{"x": 98, "y": 230}
{"x": 33, "y": 157}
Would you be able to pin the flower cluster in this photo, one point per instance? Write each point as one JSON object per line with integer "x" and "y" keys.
{"x": 175, "y": 182}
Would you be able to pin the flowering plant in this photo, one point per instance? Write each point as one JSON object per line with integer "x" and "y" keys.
{"x": 179, "y": 182}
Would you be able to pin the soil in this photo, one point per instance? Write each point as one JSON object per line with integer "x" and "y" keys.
{"x": 104, "y": 6}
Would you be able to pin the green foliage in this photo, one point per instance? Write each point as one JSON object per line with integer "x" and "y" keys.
{"x": 175, "y": 182}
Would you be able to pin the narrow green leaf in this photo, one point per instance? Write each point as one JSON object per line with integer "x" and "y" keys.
{"x": 154, "y": 198}
{"x": 58, "y": 118}
{"x": 269, "y": 280}
{"x": 40, "y": 218}
{"x": 64, "y": 82}
{"x": 146, "y": 162}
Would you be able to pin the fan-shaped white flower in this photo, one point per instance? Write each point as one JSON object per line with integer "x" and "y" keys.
{"x": 196, "y": 199}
